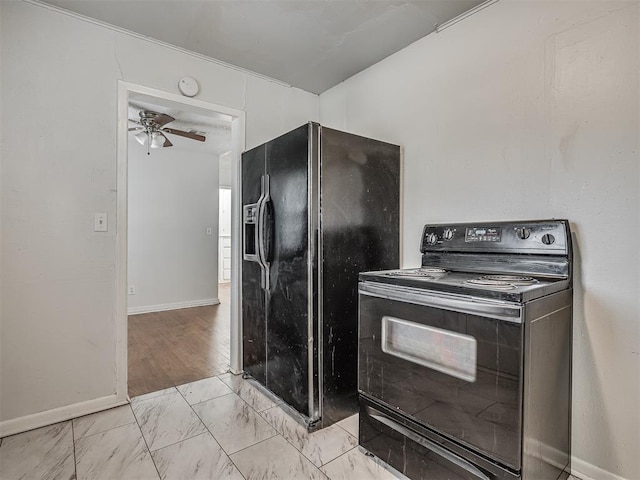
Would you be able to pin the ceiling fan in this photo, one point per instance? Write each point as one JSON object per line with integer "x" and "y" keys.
{"x": 151, "y": 130}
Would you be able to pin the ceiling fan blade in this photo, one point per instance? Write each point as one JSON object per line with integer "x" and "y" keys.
{"x": 166, "y": 143}
{"x": 181, "y": 133}
{"x": 162, "y": 119}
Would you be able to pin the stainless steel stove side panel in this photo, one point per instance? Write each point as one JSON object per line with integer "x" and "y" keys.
{"x": 546, "y": 447}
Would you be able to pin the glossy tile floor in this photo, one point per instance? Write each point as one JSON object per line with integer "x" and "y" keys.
{"x": 217, "y": 428}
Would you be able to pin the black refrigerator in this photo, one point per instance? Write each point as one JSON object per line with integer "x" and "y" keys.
{"x": 318, "y": 206}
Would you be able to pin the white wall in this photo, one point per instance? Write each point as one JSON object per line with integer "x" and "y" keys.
{"x": 173, "y": 198}
{"x": 59, "y": 115}
{"x": 225, "y": 170}
{"x": 530, "y": 109}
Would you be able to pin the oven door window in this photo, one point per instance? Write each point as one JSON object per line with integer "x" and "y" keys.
{"x": 442, "y": 350}
{"x": 457, "y": 373}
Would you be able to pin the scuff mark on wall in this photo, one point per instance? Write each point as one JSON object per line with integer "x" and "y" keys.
{"x": 566, "y": 145}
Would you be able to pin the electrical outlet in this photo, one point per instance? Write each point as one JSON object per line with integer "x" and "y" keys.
{"x": 99, "y": 222}
{"x": 132, "y": 290}
{"x": 209, "y": 231}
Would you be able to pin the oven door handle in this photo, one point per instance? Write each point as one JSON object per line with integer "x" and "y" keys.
{"x": 501, "y": 311}
{"x": 428, "y": 444}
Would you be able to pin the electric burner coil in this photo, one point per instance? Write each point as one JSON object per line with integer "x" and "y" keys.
{"x": 512, "y": 279}
{"x": 495, "y": 284}
{"x": 419, "y": 272}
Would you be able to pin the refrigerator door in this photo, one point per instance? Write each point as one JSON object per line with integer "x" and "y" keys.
{"x": 360, "y": 232}
{"x": 290, "y": 253}
{"x": 253, "y": 295}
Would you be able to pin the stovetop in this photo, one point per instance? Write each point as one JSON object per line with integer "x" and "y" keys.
{"x": 469, "y": 284}
{"x": 512, "y": 261}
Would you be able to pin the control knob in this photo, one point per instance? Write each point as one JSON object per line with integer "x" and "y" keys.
{"x": 431, "y": 238}
{"x": 447, "y": 234}
{"x": 548, "y": 239}
{"x": 523, "y": 233}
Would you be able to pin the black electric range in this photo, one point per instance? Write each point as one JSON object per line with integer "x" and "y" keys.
{"x": 465, "y": 362}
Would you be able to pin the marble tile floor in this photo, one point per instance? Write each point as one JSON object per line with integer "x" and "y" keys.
{"x": 216, "y": 428}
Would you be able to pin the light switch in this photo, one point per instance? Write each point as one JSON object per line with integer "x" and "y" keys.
{"x": 99, "y": 222}
{"x": 209, "y": 231}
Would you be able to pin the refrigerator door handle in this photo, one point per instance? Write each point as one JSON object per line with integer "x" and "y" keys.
{"x": 263, "y": 205}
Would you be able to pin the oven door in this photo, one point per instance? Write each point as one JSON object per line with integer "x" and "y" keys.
{"x": 448, "y": 362}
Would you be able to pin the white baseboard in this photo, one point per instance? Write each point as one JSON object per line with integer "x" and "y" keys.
{"x": 164, "y": 307}
{"x": 587, "y": 471}
{"x": 49, "y": 417}
{"x": 579, "y": 468}
{"x": 546, "y": 453}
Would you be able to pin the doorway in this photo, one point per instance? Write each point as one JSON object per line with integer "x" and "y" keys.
{"x": 168, "y": 236}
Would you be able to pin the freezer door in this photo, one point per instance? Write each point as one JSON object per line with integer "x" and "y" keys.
{"x": 253, "y": 296}
{"x": 287, "y": 244}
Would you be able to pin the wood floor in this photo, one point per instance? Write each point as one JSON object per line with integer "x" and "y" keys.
{"x": 179, "y": 346}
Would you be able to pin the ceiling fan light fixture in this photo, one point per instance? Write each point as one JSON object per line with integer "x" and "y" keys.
{"x": 157, "y": 140}
{"x": 153, "y": 131}
{"x": 141, "y": 137}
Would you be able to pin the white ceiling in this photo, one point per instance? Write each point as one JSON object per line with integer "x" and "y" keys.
{"x": 310, "y": 44}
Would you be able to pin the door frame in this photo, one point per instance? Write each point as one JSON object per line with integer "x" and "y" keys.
{"x": 125, "y": 89}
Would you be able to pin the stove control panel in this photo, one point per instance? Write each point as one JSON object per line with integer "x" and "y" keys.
{"x": 546, "y": 237}
{"x": 483, "y": 234}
